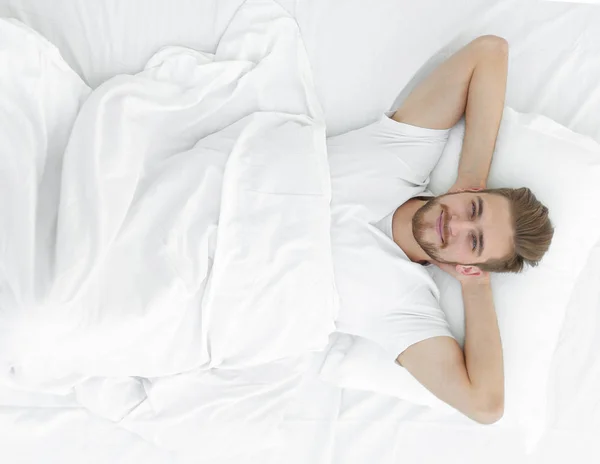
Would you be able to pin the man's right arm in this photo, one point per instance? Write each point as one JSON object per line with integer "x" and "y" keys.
{"x": 472, "y": 381}
{"x": 472, "y": 82}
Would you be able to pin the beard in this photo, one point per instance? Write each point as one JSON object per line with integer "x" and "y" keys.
{"x": 419, "y": 226}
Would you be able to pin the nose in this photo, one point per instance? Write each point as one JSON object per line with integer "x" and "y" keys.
{"x": 457, "y": 225}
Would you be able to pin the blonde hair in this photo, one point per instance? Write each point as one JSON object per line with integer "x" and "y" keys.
{"x": 532, "y": 231}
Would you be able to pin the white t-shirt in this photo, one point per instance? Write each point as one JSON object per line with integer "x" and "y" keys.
{"x": 384, "y": 296}
{"x": 385, "y": 225}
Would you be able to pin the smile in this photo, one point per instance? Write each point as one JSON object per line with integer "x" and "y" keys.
{"x": 440, "y": 223}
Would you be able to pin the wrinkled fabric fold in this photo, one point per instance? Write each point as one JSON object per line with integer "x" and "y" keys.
{"x": 180, "y": 221}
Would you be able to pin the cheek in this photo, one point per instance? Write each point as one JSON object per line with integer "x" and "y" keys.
{"x": 460, "y": 251}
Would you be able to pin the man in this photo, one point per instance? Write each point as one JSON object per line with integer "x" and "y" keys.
{"x": 468, "y": 232}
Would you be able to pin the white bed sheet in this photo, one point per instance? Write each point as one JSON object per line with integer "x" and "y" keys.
{"x": 100, "y": 39}
{"x": 362, "y": 56}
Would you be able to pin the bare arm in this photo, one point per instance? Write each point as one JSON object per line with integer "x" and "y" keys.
{"x": 471, "y": 381}
{"x": 485, "y": 105}
{"x": 471, "y": 82}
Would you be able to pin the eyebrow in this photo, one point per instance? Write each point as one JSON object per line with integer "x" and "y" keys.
{"x": 479, "y": 213}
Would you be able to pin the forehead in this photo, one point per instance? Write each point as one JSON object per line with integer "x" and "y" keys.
{"x": 495, "y": 223}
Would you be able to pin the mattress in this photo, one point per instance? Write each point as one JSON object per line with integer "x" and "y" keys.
{"x": 364, "y": 60}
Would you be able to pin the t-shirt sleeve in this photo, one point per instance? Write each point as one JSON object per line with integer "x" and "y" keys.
{"x": 418, "y": 317}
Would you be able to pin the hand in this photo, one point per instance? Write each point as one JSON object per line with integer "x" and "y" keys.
{"x": 462, "y": 185}
{"x": 465, "y": 274}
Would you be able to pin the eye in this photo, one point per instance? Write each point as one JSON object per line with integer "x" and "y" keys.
{"x": 474, "y": 242}
{"x": 473, "y": 210}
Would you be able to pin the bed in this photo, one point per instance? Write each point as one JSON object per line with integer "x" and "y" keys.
{"x": 361, "y": 58}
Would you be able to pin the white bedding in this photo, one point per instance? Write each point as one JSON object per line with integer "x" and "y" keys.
{"x": 167, "y": 234}
{"x": 188, "y": 205}
{"x": 361, "y": 56}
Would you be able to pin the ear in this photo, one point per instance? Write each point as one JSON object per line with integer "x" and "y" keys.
{"x": 473, "y": 271}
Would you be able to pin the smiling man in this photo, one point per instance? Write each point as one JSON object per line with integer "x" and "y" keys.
{"x": 496, "y": 230}
{"x": 468, "y": 232}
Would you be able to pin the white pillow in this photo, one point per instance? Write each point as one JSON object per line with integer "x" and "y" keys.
{"x": 562, "y": 168}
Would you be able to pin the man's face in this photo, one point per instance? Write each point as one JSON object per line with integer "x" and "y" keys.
{"x": 464, "y": 228}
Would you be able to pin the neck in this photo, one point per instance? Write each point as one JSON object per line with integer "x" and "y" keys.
{"x": 402, "y": 230}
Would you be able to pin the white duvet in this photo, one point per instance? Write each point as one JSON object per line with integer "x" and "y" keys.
{"x": 169, "y": 221}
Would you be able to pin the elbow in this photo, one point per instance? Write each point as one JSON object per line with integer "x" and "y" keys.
{"x": 492, "y": 45}
{"x": 490, "y": 411}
